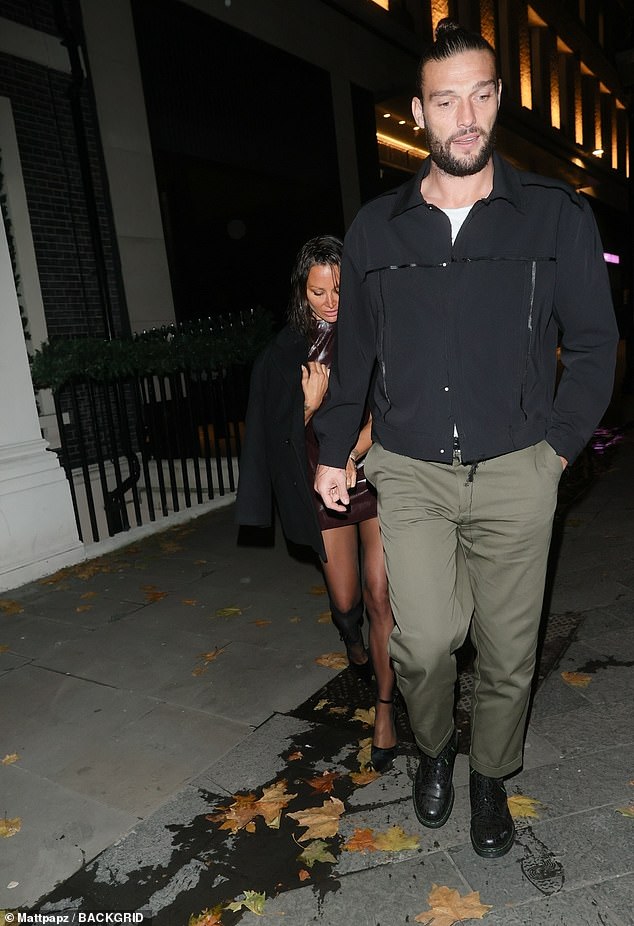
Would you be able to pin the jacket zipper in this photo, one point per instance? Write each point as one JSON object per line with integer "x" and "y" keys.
{"x": 529, "y": 346}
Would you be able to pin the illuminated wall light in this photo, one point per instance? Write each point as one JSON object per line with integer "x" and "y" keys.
{"x": 555, "y": 105}
{"x": 400, "y": 145}
{"x": 401, "y": 121}
{"x": 382, "y": 3}
{"x": 598, "y": 152}
{"x": 526, "y": 89}
{"x": 611, "y": 258}
{"x": 614, "y": 137}
{"x": 578, "y": 109}
{"x": 487, "y": 21}
{"x": 386, "y": 115}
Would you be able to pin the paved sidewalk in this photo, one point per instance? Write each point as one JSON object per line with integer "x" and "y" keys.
{"x": 152, "y": 699}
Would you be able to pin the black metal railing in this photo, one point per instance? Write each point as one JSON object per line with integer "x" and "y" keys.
{"x": 139, "y": 446}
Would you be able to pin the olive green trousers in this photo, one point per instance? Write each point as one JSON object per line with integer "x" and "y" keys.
{"x": 466, "y": 549}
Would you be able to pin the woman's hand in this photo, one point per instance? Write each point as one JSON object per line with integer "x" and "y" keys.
{"x": 351, "y": 473}
{"x": 314, "y": 386}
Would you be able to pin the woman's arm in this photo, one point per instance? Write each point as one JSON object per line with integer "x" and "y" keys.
{"x": 314, "y": 386}
{"x": 363, "y": 444}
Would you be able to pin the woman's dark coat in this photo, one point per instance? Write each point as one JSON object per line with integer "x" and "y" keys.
{"x": 273, "y": 461}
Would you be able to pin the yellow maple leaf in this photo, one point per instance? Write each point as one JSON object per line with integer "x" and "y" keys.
{"x": 364, "y": 777}
{"x": 228, "y": 612}
{"x": 10, "y": 759}
{"x": 83, "y": 607}
{"x": 9, "y": 827}
{"x": 303, "y": 875}
{"x": 365, "y": 716}
{"x": 262, "y": 623}
{"x": 318, "y": 590}
{"x": 365, "y": 752}
{"x": 395, "y": 840}
{"x": 323, "y": 784}
{"x": 316, "y": 851}
{"x": 88, "y": 595}
{"x": 274, "y": 799}
{"x": 168, "y": 546}
{"x": 252, "y": 901}
{"x": 448, "y": 907}
{"x": 522, "y": 807}
{"x": 321, "y": 704}
{"x": 294, "y": 756}
{"x": 338, "y": 710}
{"x": 321, "y": 822}
{"x": 206, "y": 918}
{"x": 576, "y": 679}
{"x": 7, "y": 606}
{"x": 362, "y": 840}
{"x": 332, "y": 660}
{"x": 626, "y": 811}
{"x": 325, "y": 618}
{"x": 208, "y": 658}
{"x": 237, "y": 815}
{"x": 4, "y": 648}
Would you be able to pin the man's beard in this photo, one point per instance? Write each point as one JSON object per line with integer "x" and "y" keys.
{"x": 460, "y": 167}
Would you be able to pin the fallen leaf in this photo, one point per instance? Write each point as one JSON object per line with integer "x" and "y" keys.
{"x": 316, "y": 851}
{"x": 274, "y": 799}
{"x": 252, "y": 901}
{"x": 191, "y": 602}
{"x": 576, "y": 679}
{"x": 7, "y": 606}
{"x": 325, "y": 618}
{"x": 262, "y": 623}
{"x": 228, "y": 612}
{"x": 338, "y": 710}
{"x": 320, "y": 821}
{"x": 151, "y": 597}
{"x": 303, "y": 875}
{"x": 294, "y": 756}
{"x": 168, "y": 546}
{"x": 4, "y": 648}
{"x": 199, "y": 562}
{"x": 10, "y": 759}
{"x": 362, "y": 840}
{"x": 295, "y": 619}
{"x": 323, "y": 784}
{"x": 207, "y": 658}
{"x": 626, "y": 811}
{"x": 365, "y": 752}
{"x": 448, "y": 907}
{"x": 321, "y": 704}
{"x": 395, "y": 840}
{"x": 247, "y": 807}
{"x": 523, "y": 807}
{"x": 318, "y": 590}
{"x": 88, "y": 595}
{"x": 332, "y": 660}
{"x": 83, "y": 607}
{"x": 237, "y": 815}
{"x": 365, "y": 716}
{"x": 9, "y": 827}
{"x": 365, "y": 776}
{"x": 206, "y": 918}
{"x": 631, "y": 782}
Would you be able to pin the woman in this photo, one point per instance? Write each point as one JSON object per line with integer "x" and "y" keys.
{"x": 288, "y": 384}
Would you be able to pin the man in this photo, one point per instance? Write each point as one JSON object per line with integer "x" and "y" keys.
{"x": 455, "y": 289}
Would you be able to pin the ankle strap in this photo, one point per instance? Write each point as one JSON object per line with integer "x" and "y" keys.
{"x": 383, "y": 701}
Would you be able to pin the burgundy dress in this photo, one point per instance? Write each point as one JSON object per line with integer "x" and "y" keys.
{"x": 362, "y": 497}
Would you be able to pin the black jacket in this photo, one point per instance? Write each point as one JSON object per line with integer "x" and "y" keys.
{"x": 273, "y": 460}
{"x": 467, "y": 334}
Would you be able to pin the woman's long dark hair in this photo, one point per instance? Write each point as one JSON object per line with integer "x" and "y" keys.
{"x": 325, "y": 250}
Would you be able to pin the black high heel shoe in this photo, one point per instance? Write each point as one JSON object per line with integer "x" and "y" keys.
{"x": 348, "y": 623}
{"x": 381, "y": 757}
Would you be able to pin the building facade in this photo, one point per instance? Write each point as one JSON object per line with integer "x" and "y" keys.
{"x": 162, "y": 160}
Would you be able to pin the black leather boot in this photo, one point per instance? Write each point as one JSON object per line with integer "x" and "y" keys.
{"x": 348, "y": 623}
{"x": 492, "y": 827}
{"x": 433, "y": 790}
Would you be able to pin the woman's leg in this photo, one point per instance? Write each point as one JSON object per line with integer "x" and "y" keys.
{"x": 341, "y": 573}
{"x": 377, "y": 603}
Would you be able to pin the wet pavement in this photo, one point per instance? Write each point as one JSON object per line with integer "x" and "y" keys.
{"x": 171, "y": 745}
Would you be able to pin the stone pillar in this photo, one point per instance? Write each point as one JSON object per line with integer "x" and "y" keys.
{"x": 116, "y": 76}
{"x": 38, "y": 534}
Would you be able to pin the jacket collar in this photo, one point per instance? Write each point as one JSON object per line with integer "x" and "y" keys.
{"x": 291, "y": 350}
{"x": 506, "y": 185}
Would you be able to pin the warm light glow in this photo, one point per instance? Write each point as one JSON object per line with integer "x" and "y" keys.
{"x": 561, "y": 46}
{"x": 401, "y": 121}
{"x": 526, "y": 89}
{"x": 598, "y": 152}
{"x": 555, "y": 104}
{"x": 487, "y": 21}
{"x": 399, "y": 145}
{"x": 578, "y": 109}
{"x": 614, "y": 138}
{"x": 386, "y": 115}
{"x": 586, "y": 70}
{"x": 439, "y": 10}
{"x": 577, "y": 162}
{"x": 384, "y": 3}
{"x": 534, "y": 19}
